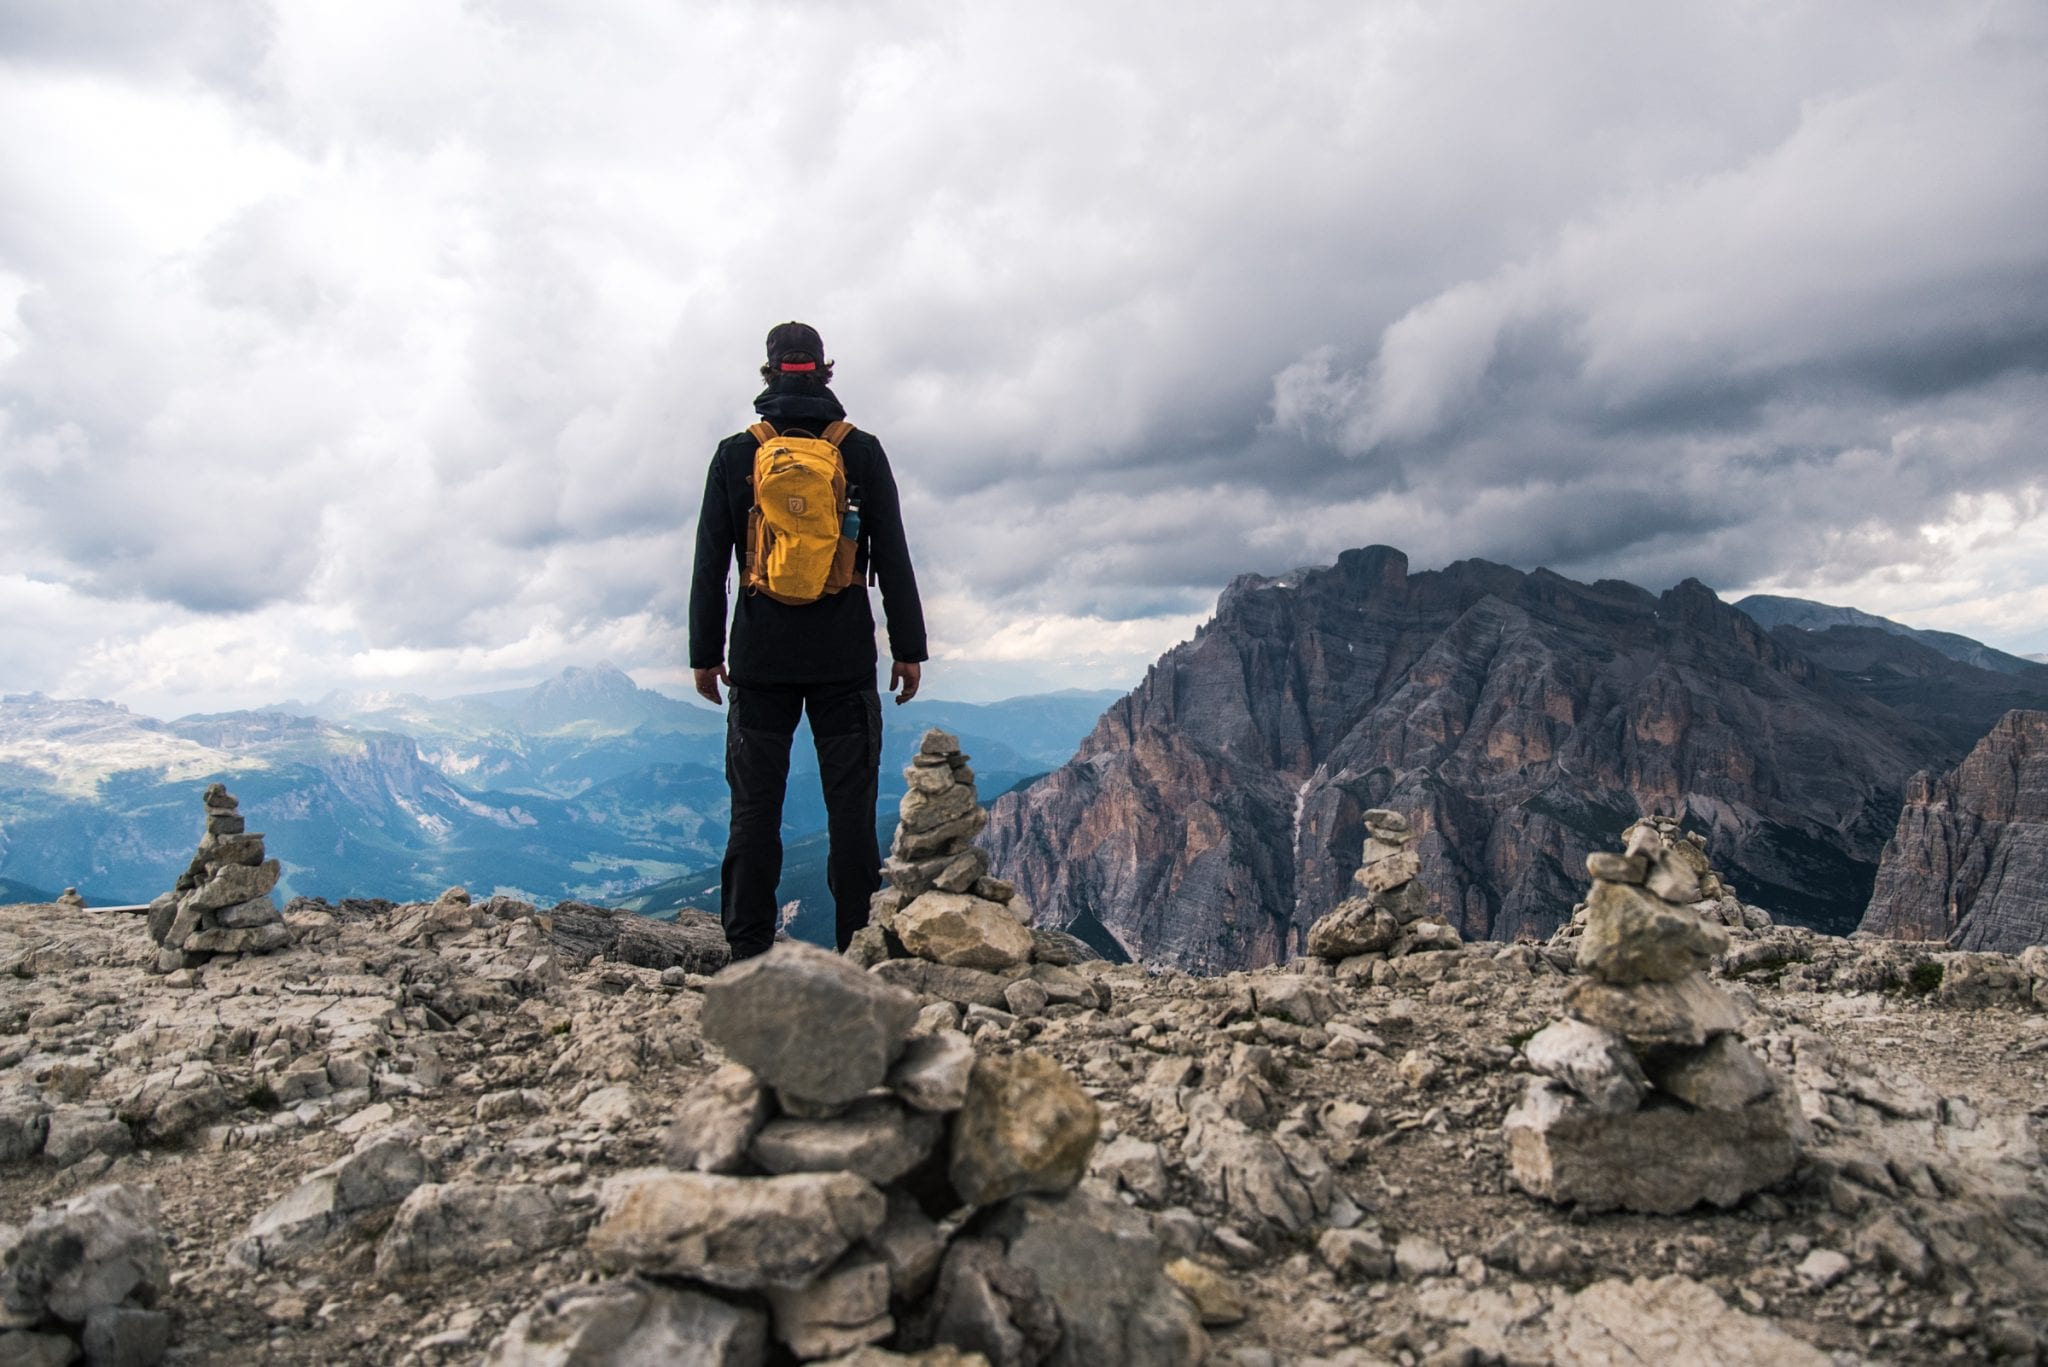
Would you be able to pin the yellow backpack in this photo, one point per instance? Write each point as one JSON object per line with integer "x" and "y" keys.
{"x": 800, "y": 545}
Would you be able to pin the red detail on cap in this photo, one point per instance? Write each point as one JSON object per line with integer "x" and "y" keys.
{"x": 799, "y": 365}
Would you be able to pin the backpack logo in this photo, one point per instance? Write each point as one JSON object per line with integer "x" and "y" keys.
{"x": 798, "y": 505}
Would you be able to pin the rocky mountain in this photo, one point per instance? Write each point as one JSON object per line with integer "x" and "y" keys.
{"x": 453, "y": 1132}
{"x": 1802, "y": 614}
{"x": 1960, "y": 702}
{"x": 1969, "y": 861}
{"x": 1522, "y": 720}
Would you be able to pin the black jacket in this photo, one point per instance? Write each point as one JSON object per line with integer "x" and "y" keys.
{"x": 833, "y": 638}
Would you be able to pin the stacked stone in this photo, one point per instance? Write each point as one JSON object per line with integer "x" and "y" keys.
{"x": 1644, "y": 1097}
{"x": 807, "y": 1185}
{"x": 941, "y": 905}
{"x": 944, "y": 928}
{"x": 1389, "y": 916}
{"x": 1713, "y": 900}
{"x": 222, "y": 903}
{"x": 72, "y": 898}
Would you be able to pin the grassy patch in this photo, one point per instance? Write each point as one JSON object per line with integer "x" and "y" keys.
{"x": 1924, "y": 978}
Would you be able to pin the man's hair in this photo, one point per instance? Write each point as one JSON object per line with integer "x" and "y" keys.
{"x": 823, "y": 374}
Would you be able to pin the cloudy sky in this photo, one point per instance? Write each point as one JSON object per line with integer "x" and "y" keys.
{"x": 382, "y": 345}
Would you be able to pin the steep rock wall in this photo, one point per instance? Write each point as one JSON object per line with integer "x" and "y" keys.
{"x": 1519, "y": 720}
{"x": 1969, "y": 860}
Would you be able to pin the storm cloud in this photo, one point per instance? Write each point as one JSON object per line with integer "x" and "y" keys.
{"x": 383, "y": 345}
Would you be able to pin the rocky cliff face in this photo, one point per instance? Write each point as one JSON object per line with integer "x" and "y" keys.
{"x": 1519, "y": 720}
{"x": 1969, "y": 862}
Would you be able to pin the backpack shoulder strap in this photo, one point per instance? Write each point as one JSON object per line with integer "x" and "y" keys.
{"x": 763, "y": 432}
{"x": 837, "y": 432}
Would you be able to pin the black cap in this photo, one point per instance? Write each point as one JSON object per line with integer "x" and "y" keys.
{"x": 785, "y": 338}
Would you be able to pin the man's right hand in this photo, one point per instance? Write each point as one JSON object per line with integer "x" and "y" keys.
{"x": 708, "y": 681}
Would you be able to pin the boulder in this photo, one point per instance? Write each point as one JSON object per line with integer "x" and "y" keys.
{"x": 1593, "y": 1062}
{"x": 963, "y": 931}
{"x": 476, "y": 1224}
{"x": 1632, "y": 936}
{"x": 97, "y": 1251}
{"x": 383, "y": 1170}
{"x": 1689, "y": 1011}
{"x": 714, "y": 1124}
{"x": 1100, "y": 1266}
{"x": 740, "y": 1233}
{"x": 1661, "y": 1159}
{"x": 807, "y": 1022}
{"x": 1026, "y": 1126}
{"x": 1354, "y": 926}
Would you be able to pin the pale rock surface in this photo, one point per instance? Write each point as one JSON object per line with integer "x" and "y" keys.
{"x": 733, "y": 1232}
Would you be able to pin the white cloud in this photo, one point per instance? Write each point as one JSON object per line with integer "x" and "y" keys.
{"x": 386, "y": 342}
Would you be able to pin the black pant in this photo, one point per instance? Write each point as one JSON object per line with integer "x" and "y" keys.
{"x": 846, "y": 723}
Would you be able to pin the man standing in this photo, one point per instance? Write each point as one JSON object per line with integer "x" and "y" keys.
{"x": 789, "y": 658}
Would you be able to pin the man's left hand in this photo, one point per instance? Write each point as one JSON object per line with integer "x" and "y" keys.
{"x": 907, "y": 674}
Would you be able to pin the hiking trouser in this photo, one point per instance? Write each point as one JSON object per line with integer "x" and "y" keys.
{"x": 760, "y": 719}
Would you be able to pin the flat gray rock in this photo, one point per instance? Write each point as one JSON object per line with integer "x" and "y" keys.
{"x": 808, "y": 1022}
{"x": 740, "y": 1233}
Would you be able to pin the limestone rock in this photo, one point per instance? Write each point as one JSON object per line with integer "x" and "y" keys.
{"x": 877, "y": 1139}
{"x": 1099, "y": 1264}
{"x": 1026, "y": 1126}
{"x": 476, "y": 1224}
{"x": 631, "y": 1321}
{"x": 716, "y": 1122}
{"x": 1356, "y": 926}
{"x": 97, "y": 1251}
{"x": 1687, "y": 1012}
{"x": 1673, "y": 1321}
{"x": 1593, "y": 1062}
{"x": 807, "y": 1022}
{"x": 845, "y": 1307}
{"x": 933, "y": 1072}
{"x": 1632, "y": 936}
{"x": 1664, "y": 1158}
{"x": 1722, "y": 1076}
{"x": 962, "y": 931}
{"x": 984, "y": 1304}
{"x": 383, "y": 1170}
{"x": 740, "y": 1233}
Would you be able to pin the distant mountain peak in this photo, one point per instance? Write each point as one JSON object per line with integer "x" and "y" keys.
{"x": 1774, "y": 610}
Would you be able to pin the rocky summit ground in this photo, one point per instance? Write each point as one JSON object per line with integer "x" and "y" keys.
{"x": 1326, "y": 1151}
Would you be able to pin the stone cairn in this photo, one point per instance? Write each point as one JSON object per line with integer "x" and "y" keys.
{"x": 848, "y": 1180}
{"x": 72, "y": 898}
{"x": 1389, "y": 916}
{"x": 222, "y": 902}
{"x": 945, "y": 928}
{"x": 1716, "y": 902}
{"x": 1644, "y": 1097}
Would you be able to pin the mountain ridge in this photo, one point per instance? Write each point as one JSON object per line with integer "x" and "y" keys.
{"x": 1521, "y": 719}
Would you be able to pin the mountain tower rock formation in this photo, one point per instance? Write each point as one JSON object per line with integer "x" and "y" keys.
{"x": 222, "y": 903}
{"x": 1520, "y": 721}
{"x": 1969, "y": 862}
